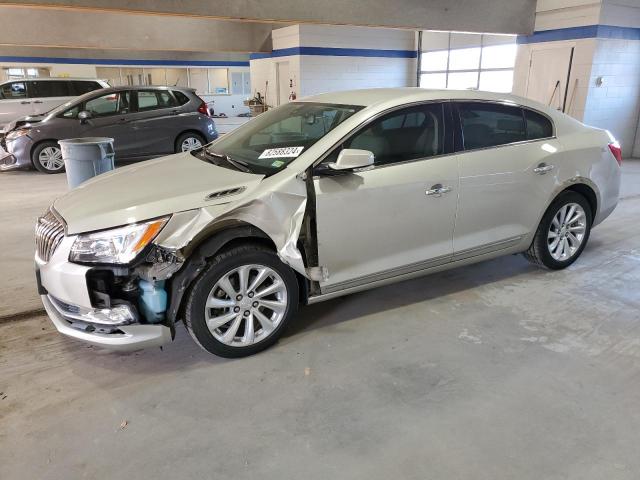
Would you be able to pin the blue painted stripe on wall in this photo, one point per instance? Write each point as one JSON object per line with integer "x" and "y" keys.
{"x": 336, "y": 52}
{"x": 123, "y": 61}
{"x": 576, "y": 33}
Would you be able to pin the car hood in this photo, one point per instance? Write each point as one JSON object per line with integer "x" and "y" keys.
{"x": 19, "y": 122}
{"x": 150, "y": 189}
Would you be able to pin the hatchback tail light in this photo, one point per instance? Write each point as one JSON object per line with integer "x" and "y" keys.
{"x": 203, "y": 109}
{"x": 616, "y": 150}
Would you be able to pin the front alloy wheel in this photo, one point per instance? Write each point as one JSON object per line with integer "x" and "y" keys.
{"x": 246, "y": 305}
{"x": 242, "y": 302}
{"x": 47, "y": 158}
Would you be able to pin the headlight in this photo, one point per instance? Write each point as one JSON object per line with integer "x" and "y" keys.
{"x": 17, "y": 133}
{"x": 119, "y": 245}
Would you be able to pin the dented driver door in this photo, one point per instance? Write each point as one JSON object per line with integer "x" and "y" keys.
{"x": 395, "y": 218}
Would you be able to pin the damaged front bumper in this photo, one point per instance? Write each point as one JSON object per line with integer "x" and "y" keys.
{"x": 68, "y": 293}
{"x": 116, "y": 337}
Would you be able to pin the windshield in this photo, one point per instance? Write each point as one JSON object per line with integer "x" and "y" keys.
{"x": 277, "y": 137}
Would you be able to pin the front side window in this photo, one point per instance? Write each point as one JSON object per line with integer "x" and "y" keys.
{"x": 154, "y": 100}
{"x": 277, "y": 137}
{"x": 110, "y": 104}
{"x": 13, "y": 91}
{"x": 407, "y": 134}
{"x": 489, "y": 125}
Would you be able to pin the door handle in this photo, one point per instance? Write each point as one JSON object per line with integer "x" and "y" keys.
{"x": 175, "y": 112}
{"x": 437, "y": 190}
{"x": 543, "y": 168}
{"x": 24, "y": 102}
{"x": 37, "y": 101}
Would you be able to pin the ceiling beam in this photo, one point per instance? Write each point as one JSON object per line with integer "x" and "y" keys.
{"x": 497, "y": 16}
{"x": 113, "y": 30}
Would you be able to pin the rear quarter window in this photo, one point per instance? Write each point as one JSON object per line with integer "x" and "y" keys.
{"x": 180, "y": 97}
{"x": 538, "y": 126}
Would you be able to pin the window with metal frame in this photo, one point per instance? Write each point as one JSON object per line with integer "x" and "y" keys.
{"x": 457, "y": 60}
{"x": 401, "y": 135}
{"x": 486, "y": 124}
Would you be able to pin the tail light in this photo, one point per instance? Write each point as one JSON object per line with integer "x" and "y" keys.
{"x": 203, "y": 109}
{"x": 616, "y": 150}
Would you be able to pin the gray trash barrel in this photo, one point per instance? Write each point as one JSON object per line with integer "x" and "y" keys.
{"x": 84, "y": 158}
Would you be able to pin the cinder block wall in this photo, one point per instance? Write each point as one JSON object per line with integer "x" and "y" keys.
{"x": 325, "y": 58}
{"x": 604, "y": 86}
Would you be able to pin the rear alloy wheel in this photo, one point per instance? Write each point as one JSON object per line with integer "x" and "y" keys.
{"x": 563, "y": 232}
{"x": 188, "y": 141}
{"x": 47, "y": 158}
{"x": 242, "y": 302}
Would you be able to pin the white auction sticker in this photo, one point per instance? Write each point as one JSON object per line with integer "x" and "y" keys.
{"x": 284, "y": 152}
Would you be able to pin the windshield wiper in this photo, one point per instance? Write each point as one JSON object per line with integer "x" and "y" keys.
{"x": 239, "y": 165}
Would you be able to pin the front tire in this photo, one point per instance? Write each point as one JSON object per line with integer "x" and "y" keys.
{"x": 242, "y": 303}
{"x": 563, "y": 232}
{"x": 47, "y": 157}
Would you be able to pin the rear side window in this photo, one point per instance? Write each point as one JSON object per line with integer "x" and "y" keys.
{"x": 489, "y": 125}
{"x": 14, "y": 90}
{"x": 79, "y": 87}
{"x": 155, "y": 99}
{"x": 538, "y": 126}
{"x": 181, "y": 97}
{"x": 50, "y": 88}
{"x": 406, "y": 134}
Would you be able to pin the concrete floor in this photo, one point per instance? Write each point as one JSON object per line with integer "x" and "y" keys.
{"x": 494, "y": 371}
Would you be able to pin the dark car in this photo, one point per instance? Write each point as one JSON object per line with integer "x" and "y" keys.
{"x": 145, "y": 122}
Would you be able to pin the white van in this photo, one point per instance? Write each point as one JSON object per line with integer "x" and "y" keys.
{"x": 19, "y": 98}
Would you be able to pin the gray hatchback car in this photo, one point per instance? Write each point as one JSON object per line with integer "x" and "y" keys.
{"x": 145, "y": 122}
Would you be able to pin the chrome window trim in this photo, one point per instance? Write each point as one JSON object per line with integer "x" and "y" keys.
{"x": 427, "y": 102}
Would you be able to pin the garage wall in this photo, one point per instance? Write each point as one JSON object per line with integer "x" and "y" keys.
{"x": 325, "y": 58}
{"x": 604, "y": 86}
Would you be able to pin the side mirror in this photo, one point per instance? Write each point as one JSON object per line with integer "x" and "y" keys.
{"x": 351, "y": 159}
{"x": 84, "y": 115}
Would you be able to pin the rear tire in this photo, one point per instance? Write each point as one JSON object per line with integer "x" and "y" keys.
{"x": 189, "y": 141}
{"x": 47, "y": 157}
{"x": 563, "y": 232}
{"x": 242, "y": 302}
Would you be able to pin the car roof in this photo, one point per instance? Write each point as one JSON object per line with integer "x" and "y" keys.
{"x": 375, "y": 96}
{"x": 50, "y": 79}
{"x": 149, "y": 87}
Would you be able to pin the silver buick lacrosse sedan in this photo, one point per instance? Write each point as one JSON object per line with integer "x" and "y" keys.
{"x": 318, "y": 198}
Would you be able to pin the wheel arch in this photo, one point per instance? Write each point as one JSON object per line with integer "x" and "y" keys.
{"x": 587, "y": 192}
{"x": 223, "y": 236}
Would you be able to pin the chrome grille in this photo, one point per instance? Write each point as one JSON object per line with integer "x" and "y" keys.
{"x": 49, "y": 234}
